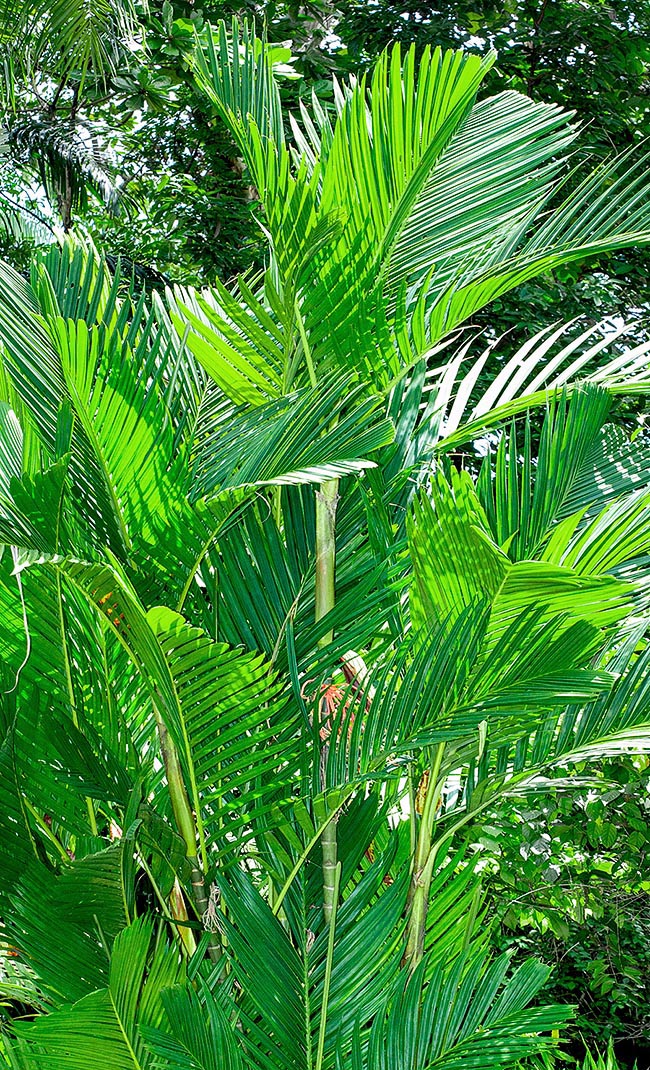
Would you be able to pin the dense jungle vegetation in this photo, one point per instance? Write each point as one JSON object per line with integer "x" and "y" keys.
{"x": 324, "y": 535}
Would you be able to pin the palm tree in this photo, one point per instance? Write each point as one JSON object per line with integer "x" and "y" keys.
{"x": 266, "y": 648}
{"x": 59, "y": 58}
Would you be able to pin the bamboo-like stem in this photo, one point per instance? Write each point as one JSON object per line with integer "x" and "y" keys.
{"x": 329, "y": 844}
{"x": 306, "y": 852}
{"x": 327, "y": 497}
{"x": 177, "y": 902}
{"x": 417, "y": 923}
{"x": 423, "y": 863}
{"x": 184, "y": 822}
{"x": 177, "y": 792}
{"x": 325, "y": 593}
{"x": 328, "y": 970}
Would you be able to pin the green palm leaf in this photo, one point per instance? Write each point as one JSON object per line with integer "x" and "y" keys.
{"x": 32, "y": 361}
{"x": 524, "y": 500}
{"x": 472, "y": 1016}
{"x": 218, "y": 705}
{"x": 303, "y": 438}
{"x": 366, "y": 960}
{"x": 105, "y": 1024}
{"x": 517, "y": 143}
{"x": 455, "y": 560}
{"x": 18, "y": 844}
{"x": 198, "y": 1036}
{"x": 613, "y": 723}
{"x": 87, "y": 905}
{"x": 75, "y": 38}
{"x": 238, "y": 74}
{"x": 422, "y": 118}
{"x": 441, "y": 686}
{"x": 126, "y": 429}
{"x": 240, "y": 735}
{"x": 240, "y": 345}
{"x": 608, "y": 210}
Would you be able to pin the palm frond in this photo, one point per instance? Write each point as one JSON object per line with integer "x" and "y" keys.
{"x": 524, "y": 500}
{"x": 128, "y": 433}
{"x": 517, "y": 143}
{"x": 240, "y": 345}
{"x": 87, "y": 905}
{"x": 237, "y": 73}
{"x": 462, "y": 403}
{"x": 239, "y": 735}
{"x": 369, "y": 926}
{"x": 106, "y": 1024}
{"x": 472, "y": 1016}
{"x": 442, "y": 685}
{"x": 196, "y": 1035}
{"x": 65, "y": 159}
{"x": 302, "y": 438}
{"x": 73, "y": 39}
{"x": 450, "y": 529}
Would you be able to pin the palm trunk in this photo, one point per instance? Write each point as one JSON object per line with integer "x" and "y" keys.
{"x": 326, "y": 502}
{"x": 185, "y": 823}
{"x": 178, "y": 793}
{"x": 424, "y": 861}
{"x": 179, "y": 913}
{"x": 65, "y": 201}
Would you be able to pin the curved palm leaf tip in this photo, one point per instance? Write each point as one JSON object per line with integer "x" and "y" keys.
{"x": 293, "y": 711}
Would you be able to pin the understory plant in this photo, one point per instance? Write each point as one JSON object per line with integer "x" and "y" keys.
{"x": 567, "y": 874}
{"x": 298, "y": 581}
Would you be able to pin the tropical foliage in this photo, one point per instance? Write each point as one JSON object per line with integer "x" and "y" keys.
{"x": 58, "y": 61}
{"x": 105, "y": 89}
{"x": 567, "y": 873}
{"x": 299, "y": 581}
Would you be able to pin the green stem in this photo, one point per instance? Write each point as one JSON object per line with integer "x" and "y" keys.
{"x": 326, "y": 501}
{"x": 305, "y": 346}
{"x": 419, "y": 900}
{"x": 92, "y": 820}
{"x": 327, "y": 497}
{"x": 425, "y": 856}
{"x": 417, "y": 925}
{"x": 330, "y": 867}
{"x": 184, "y": 821}
{"x": 328, "y": 970}
{"x": 177, "y": 791}
{"x": 305, "y": 854}
{"x": 44, "y": 827}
